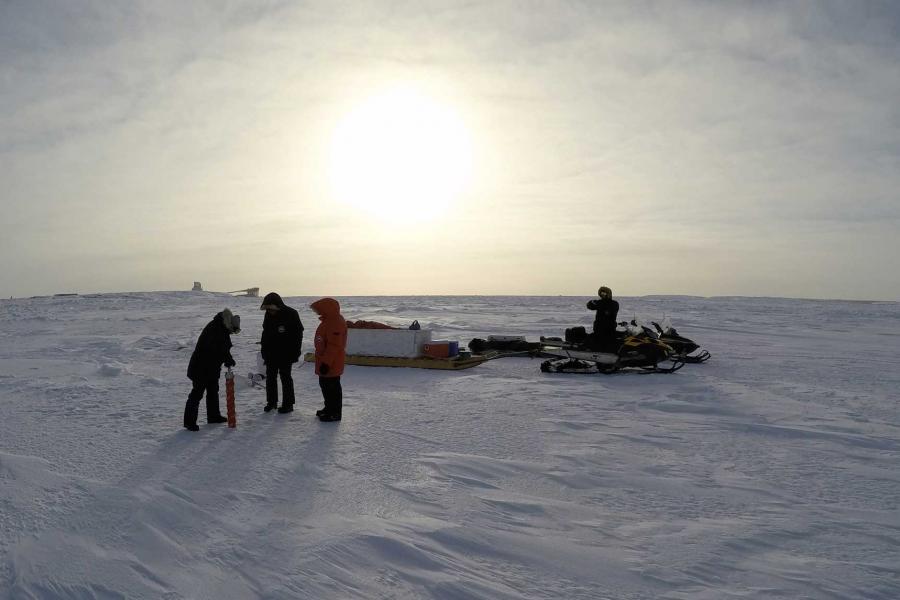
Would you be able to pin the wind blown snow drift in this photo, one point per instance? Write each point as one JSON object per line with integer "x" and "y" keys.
{"x": 769, "y": 472}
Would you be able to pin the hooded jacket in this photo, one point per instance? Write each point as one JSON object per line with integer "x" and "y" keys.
{"x": 213, "y": 349}
{"x": 282, "y": 333}
{"x": 607, "y": 311}
{"x": 331, "y": 337}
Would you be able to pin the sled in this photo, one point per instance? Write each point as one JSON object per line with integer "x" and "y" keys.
{"x": 601, "y": 358}
{"x": 455, "y": 363}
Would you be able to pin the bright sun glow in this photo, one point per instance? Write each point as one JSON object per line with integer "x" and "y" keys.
{"x": 401, "y": 156}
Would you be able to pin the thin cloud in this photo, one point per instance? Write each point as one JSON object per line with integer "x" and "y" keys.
{"x": 741, "y": 126}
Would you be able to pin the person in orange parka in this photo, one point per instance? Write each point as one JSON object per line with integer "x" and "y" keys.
{"x": 331, "y": 342}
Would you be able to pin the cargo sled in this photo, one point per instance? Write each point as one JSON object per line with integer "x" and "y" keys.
{"x": 455, "y": 363}
{"x": 371, "y": 346}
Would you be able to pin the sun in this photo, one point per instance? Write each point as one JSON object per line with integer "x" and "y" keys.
{"x": 401, "y": 156}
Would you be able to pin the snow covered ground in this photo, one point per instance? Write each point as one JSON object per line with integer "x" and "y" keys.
{"x": 769, "y": 472}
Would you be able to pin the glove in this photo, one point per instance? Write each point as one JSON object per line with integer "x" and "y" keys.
{"x": 323, "y": 369}
{"x": 229, "y": 362}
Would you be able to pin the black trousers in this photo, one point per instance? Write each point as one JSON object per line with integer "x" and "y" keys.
{"x": 192, "y": 406}
{"x": 603, "y": 339}
{"x": 333, "y": 394}
{"x": 273, "y": 372}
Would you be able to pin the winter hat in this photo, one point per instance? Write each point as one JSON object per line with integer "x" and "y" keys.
{"x": 604, "y": 289}
{"x": 232, "y": 322}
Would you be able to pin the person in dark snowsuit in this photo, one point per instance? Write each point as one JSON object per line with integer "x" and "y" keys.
{"x": 607, "y": 310}
{"x": 331, "y": 345}
{"x": 212, "y": 351}
{"x": 281, "y": 339}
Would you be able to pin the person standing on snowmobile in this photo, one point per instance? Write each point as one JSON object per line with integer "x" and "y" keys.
{"x": 605, "y": 319}
{"x": 280, "y": 347}
{"x": 212, "y": 351}
{"x": 331, "y": 344}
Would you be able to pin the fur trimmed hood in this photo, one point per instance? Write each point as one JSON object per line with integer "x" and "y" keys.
{"x": 231, "y": 321}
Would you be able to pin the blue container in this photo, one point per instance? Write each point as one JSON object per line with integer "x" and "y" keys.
{"x": 454, "y": 349}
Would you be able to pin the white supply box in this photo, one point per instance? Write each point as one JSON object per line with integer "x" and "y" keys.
{"x": 401, "y": 343}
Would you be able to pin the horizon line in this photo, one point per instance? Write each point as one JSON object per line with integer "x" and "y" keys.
{"x": 656, "y": 295}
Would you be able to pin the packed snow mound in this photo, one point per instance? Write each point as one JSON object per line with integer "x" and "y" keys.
{"x": 769, "y": 472}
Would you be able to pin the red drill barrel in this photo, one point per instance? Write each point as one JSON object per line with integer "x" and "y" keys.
{"x": 229, "y": 398}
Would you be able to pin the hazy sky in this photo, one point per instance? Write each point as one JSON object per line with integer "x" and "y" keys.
{"x": 708, "y": 148}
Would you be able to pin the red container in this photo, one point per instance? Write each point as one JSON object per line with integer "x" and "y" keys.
{"x": 437, "y": 349}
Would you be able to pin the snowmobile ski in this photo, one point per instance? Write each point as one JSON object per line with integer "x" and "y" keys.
{"x": 579, "y": 366}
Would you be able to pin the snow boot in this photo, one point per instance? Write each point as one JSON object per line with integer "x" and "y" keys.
{"x": 329, "y": 418}
{"x": 320, "y": 412}
{"x": 269, "y": 407}
{"x": 192, "y": 427}
{"x": 216, "y": 419}
{"x": 286, "y": 409}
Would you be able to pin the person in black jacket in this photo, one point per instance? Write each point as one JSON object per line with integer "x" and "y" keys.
{"x": 281, "y": 339}
{"x": 605, "y": 319}
{"x": 212, "y": 351}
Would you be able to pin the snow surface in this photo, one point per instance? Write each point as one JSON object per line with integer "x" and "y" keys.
{"x": 769, "y": 472}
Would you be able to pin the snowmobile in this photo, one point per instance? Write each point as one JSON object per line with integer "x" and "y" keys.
{"x": 685, "y": 350}
{"x": 635, "y": 351}
{"x": 579, "y": 353}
